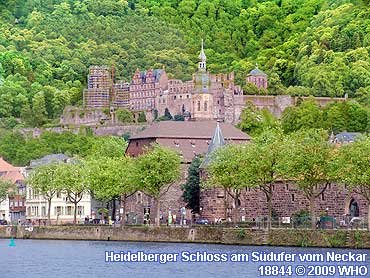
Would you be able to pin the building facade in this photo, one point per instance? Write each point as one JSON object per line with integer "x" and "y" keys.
{"x": 61, "y": 210}
{"x": 203, "y": 137}
{"x": 189, "y": 139}
{"x": 206, "y": 97}
{"x": 13, "y": 207}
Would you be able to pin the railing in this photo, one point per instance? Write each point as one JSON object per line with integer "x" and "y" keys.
{"x": 323, "y": 222}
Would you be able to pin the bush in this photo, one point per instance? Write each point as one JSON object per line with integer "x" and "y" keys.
{"x": 124, "y": 116}
{"x": 142, "y": 117}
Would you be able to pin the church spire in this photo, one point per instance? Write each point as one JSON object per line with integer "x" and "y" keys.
{"x": 217, "y": 142}
{"x": 202, "y": 59}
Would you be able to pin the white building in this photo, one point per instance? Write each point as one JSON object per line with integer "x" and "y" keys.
{"x": 62, "y": 210}
{"x": 12, "y": 208}
{"x": 4, "y": 210}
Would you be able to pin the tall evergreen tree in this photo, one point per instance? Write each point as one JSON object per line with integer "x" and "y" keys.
{"x": 191, "y": 189}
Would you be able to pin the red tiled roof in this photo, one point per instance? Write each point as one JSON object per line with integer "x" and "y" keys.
{"x": 190, "y": 130}
{"x": 13, "y": 176}
{"x": 9, "y": 172}
{"x": 187, "y": 138}
{"x": 5, "y": 166}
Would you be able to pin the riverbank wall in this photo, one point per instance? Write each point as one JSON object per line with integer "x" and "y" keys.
{"x": 204, "y": 234}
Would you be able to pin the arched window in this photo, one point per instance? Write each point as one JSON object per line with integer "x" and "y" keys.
{"x": 198, "y": 105}
{"x": 205, "y": 106}
{"x": 354, "y": 209}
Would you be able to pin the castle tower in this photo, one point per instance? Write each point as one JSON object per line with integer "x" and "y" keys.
{"x": 202, "y": 99}
{"x": 202, "y": 65}
{"x": 257, "y": 77}
{"x": 99, "y": 87}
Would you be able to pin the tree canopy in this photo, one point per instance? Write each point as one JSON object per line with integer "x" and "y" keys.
{"x": 316, "y": 47}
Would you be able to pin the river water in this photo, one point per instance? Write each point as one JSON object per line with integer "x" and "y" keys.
{"x": 75, "y": 259}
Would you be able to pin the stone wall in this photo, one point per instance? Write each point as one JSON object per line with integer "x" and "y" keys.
{"x": 287, "y": 200}
{"x": 116, "y": 130}
{"x": 276, "y": 104}
{"x": 171, "y": 201}
{"x": 204, "y": 234}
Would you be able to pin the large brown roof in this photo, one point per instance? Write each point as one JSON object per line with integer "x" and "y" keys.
{"x": 190, "y": 130}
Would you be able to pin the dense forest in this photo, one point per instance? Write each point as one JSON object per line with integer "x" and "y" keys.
{"x": 307, "y": 47}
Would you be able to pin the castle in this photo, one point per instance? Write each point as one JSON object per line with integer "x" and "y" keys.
{"x": 206, "y": 97}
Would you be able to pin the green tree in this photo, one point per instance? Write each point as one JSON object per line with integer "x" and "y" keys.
{"x": 124, "y": 115}
{"x": 142, "y": 117}
{"x": 72, "y": 178}
{"x": 352, "y": 168}
{"x": 191, "y": 189}
{"x": 156, "y": 170}
{"x": 60, "y": 100}
{"x": 5, "y": 188}
{"x": 39, "y": 109}
{"x": 109, "y": 146}
{"x": 226, "y": 171}
{"x": 262, "y": 169}
{"x": 111, "y": 179}
{"x": 308, "y": 161}
{"x": 43, "y": 180}
{"x": 254, "y": 121}
{"x": 26, "y": 115}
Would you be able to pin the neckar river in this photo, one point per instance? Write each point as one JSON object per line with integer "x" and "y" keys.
{"x": 74, "y": 259}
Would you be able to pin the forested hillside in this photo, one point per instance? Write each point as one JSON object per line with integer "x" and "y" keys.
{"x": 308, "y": 47}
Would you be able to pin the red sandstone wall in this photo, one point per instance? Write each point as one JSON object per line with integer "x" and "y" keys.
{"x": 253, "y": 202}
{"x": 170, "y": 201}
{"x": 136, "y": 146}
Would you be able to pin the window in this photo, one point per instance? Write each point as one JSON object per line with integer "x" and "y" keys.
{"x": 43, "y": 211}
{"x": 198, "y": 105}
{"x": 139, "y": 198}
{"x": 322, "y": 196}
{"x": 59, "y": 194}
{"x": 58, "y": 210}
{"x": 292, "y": 197}
{"x": 205, "y": 106}
{"x": 286, "y": 186}
{"x": 80, "y": 210}
{"x": 69, "y": 210}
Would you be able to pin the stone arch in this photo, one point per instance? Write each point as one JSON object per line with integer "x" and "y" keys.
{"x": 352, "y": 207}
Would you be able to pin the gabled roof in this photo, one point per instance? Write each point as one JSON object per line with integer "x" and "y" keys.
{"x": 346, "y": 137}
{"x": 5, "y": 166}
{"x": 157, "y": 73}
{"x": 50, "y": 158}
{"x": 190, "y": 130}
{"x": 13, "y": 176}
{"x": 9, "y": 172}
